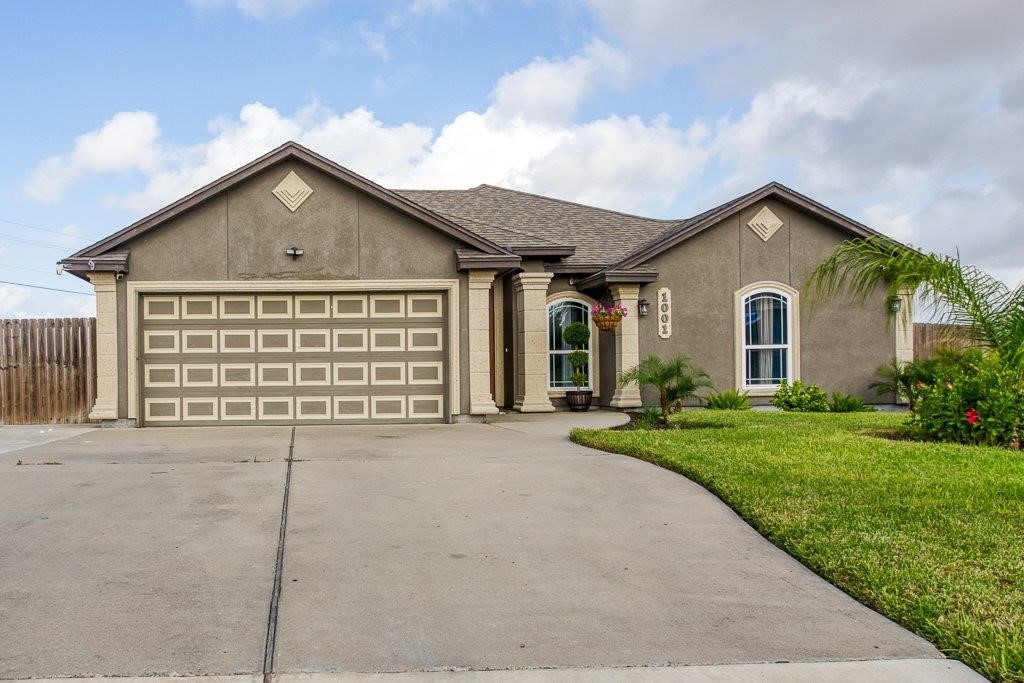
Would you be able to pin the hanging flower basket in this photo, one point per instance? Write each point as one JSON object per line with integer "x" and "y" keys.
{"x": 607, "y": 318}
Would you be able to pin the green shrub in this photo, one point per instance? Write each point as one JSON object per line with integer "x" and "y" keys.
{"x": 979, "y": 401}
{"x": 845, "y": 403}
{"x": 800, "y": 398}
{"x": 649, "y": 418}
{"x": 576, "y": 335}
{"x": 909, "y": 380}
{"x": 729, "y": 399}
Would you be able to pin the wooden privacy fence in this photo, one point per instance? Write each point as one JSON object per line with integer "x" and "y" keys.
{"x": 47, "y": 370}
{"x": 931, "y": 336}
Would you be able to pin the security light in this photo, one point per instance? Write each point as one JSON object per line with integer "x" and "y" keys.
{"x": 294, "y": 252}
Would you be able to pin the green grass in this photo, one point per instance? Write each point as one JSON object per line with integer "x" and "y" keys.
{"x": 930, "y": 535}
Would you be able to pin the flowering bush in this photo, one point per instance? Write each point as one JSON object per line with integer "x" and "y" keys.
{"x": 976, "y": 402}
{"x": 800, "y": 398}
{"x": 599, "y": 310}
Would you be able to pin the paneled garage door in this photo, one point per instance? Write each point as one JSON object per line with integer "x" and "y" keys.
{"x": 293, "y": 359}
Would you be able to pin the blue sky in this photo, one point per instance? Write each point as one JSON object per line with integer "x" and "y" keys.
{"x": 908, "y": 116}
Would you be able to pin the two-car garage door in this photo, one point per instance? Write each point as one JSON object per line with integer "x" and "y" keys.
{"x": 272, "y": 358}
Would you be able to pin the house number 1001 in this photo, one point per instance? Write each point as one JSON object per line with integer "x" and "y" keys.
{"x": 664, "y": 312}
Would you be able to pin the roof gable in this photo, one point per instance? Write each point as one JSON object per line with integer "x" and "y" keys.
{"x": 290, "y": 150}
{"x": 686, "y": 229}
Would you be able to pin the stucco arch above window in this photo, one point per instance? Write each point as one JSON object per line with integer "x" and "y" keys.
{"x": 767, "y": 336}
{"x": 564, "y": 308}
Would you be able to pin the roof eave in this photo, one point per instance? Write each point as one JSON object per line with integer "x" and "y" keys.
{"x": 488, "y": 261}
{"x": 617, "y": 277}
{"x": 543, "y": 251}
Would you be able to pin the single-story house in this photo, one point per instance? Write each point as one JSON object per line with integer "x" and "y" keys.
{"x": 294, "y": 291}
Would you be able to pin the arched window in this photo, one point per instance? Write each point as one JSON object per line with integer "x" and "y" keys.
{"x": 767, "y": 338}
{"x": 561, "y": 314}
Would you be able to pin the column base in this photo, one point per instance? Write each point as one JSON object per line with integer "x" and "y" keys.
{"x": 626, "y": 400}
{"x": 483, "y": 408}
{"x": 534, "y": 407}
{"x": 99, "y": 413}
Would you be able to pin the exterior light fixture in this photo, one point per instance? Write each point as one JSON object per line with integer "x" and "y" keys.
{"x": 895, "y": 303}
{"x": 643, "y": 307}
{"x": 294, "y": 252}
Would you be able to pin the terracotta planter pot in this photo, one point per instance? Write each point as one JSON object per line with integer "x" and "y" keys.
{"x": 579, "y": 401}
{"x": 607, "y": 323}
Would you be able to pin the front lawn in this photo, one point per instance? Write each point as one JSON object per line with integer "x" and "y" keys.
{"x": 930, "y": 535}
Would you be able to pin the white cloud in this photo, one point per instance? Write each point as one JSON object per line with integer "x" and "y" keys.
{"x": 127, "y": 142}
{"x": 551, "y": 90}
{"x": 258, "y": 9}
{"x": 11, "y": 299}
{"x": 374, "y": 41}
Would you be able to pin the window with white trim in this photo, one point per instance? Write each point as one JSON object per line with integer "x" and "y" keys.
{"x": 561, "y": 314}
{"x": 767, "y": 338}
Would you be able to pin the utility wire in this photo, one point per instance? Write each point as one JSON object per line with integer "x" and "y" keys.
{"x": 34, "y": 227}
{"x": 52, "y": 289}
{"x": 35, "y": 243}
{"x": 52, "y": 271}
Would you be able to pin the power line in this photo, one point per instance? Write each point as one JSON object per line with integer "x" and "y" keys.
{"x": 52, "y": 289}
{"x": 34, "y": 227}
{"x": 34, "y": 243}
{"x": 52, "y": 271}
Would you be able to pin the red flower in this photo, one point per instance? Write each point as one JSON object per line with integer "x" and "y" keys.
{"x": 973, "y": 417}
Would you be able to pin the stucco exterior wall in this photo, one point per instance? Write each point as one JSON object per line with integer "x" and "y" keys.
{"x": 841, "y": 343}
{"x": 243, "y": 233}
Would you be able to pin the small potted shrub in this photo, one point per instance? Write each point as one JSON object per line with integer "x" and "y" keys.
{"x": 607, "y": 318}
{"x": 576, "y": 336}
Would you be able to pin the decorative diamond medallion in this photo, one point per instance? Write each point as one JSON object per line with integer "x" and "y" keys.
{"x": 292, "y": 191}
{"x": 764, "y": 223}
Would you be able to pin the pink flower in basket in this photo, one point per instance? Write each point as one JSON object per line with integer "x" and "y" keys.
{"x": 599, "y": 310}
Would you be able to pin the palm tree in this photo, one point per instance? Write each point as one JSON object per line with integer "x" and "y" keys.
{"x": 959, "y": 294}
{"x": 675, "y": 379}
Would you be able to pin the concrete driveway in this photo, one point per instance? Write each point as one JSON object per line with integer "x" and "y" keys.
{"x": 406, "y": 549}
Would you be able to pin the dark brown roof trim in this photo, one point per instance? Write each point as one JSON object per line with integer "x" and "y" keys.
{"x": 574, "y": 268}
{"x": 617, "y": 277}
{"x": 556, "y": 251}
{"x": 291, "y": 150}
{"x": 112, "y": 262}
{"x": 771, "y": 190}
{"x": 487, "y": 261}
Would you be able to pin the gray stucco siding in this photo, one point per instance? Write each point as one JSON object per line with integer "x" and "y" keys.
{"x": 841, "y": 342}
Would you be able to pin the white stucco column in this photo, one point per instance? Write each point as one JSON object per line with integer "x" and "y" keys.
{"x": 627, "y": 344}
{"x": 531, "y": 293}
{"x": 481, "y": 402}
{"x": 105, "y": 286}
{"x": 904, "y": 327}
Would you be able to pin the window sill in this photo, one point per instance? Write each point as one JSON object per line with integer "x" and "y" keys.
{"x": 760, "y": 390}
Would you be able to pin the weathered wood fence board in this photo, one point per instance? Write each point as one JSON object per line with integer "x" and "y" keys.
{"x": 931, "y": 336}
{"x": 47, "y": 370}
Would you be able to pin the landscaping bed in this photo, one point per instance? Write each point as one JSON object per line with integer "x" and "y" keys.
{"x": 929, "y": 534}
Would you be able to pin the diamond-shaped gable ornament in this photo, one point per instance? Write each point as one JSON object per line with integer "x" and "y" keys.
{"x": 765, "y": 223}
{"x": 292, "y": 191}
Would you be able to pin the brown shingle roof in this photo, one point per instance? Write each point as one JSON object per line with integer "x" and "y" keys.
{"x": 514, "y": 218}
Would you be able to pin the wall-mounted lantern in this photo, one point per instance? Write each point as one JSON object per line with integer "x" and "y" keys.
{"x": 294, "y": 252}
{"x": 895, "y": 304}
{"x": 643, "y": 307}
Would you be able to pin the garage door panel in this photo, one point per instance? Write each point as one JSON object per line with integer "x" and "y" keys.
{"x": 231, "y": 358}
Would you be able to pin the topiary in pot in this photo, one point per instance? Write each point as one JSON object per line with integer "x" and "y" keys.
{"x": 577, "y": 335}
